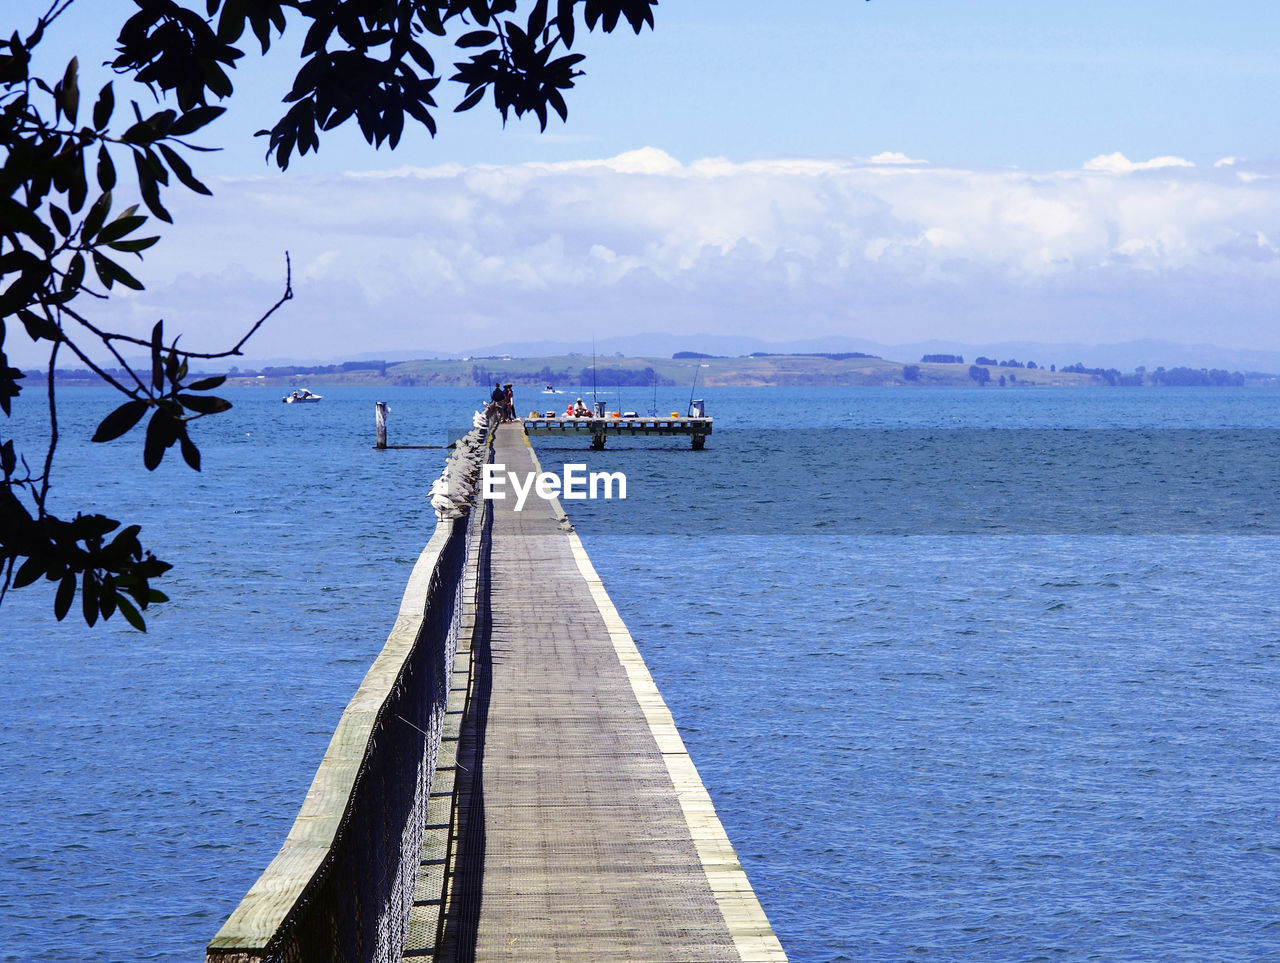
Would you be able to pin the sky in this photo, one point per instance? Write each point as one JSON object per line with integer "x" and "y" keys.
{"x": 893, "y": 170}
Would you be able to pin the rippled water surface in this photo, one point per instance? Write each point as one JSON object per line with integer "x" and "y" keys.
{"x": 941, "y": 742}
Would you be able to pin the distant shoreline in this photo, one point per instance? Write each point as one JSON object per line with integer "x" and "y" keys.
{"x": 755, "y": 371}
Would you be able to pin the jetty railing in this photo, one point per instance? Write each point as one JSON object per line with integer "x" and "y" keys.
{"x": 341, "y": 887}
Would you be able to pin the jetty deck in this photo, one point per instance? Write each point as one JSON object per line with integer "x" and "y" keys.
{"x": 567, "y": 820}
{"x": 697, "y": 428}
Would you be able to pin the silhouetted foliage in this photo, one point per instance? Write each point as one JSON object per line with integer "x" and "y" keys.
{"x": 828, "y": 355}
{"x": 942, "y": 359}
{"x": 1110, "y": 376}
{"x": 911, "y": 372}
{"x": 481, "y": 375}
{"x": 66, "y": 160}
{"x": 1011, "y": 363}
{"x": 622, "y": 377}
{"x": 681, "y": 355}
{"x": 980, "y": 375}
{"x": 1196, "y": 377}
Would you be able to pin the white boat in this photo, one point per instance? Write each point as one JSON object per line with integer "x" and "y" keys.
{"x": 549, "y": 390}
{"x": 301, "y": 396}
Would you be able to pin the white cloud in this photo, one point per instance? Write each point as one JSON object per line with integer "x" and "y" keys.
{"x": 441, "y": 258}
{"x": 1117, "y": 163}
{"x": 893, "y": 157}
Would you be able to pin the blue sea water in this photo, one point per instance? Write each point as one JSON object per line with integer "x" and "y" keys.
{"x": 935, "y": 728}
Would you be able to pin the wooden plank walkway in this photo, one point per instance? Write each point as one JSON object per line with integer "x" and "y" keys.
{"x": 580, "y": 829}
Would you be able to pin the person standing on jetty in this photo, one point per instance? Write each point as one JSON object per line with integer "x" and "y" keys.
{"x": 498, "y": 402}
{"x": 509, "y": 403}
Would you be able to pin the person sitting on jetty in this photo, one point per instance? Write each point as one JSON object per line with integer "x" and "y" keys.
{"x": 580, "y": 410}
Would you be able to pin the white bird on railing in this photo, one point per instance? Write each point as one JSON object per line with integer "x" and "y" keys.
{"x": 453, "y": 493}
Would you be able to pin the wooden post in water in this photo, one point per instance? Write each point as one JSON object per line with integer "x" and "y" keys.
{"x": 380, "y": 413}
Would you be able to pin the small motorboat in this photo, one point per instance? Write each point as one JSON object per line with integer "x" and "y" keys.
{"x": 549, "y": 390}
{"x": 301, "y": 396}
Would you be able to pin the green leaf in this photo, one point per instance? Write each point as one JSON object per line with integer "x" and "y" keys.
{"x": 107, "y": 597}
{"x": 182, "y": 169}
{"x": 120, "y": 420}
{"x": 16, "y": 216}
{"x": 479, "y": 10}
{"x": 261, "y": 26}
{"x": 133, "y": 246}
{"x": 60, "y": 220}
{"x": 79, "y": 189}
{"x": 103, "y": 108}
{"x": 470, "y": 100}
{"x": 71, "y": 91}
{"x": 65, "y": 596}
{"x": 103, "y": 268}
{"x": 41, "y": 328}
{"x": 149, "y": 188}
{"x": 207, "y": 384}
{"x": 109, "y": 272}
{"x": 89, "y": 599}
{"x": 139, "y": 133}
{"x": 157, "y": 350}
{"x": 557, "y": 101}
{"x": 124, "y": 277}
{"x": 190, "y": 453}
{"x": 217, "y": 81}
{"x": 421, "y": 57}
{"x": 130, "y": 612}
{"x": 231, "y": 23}
{"x": 161, "y": 121}
{"x": 194, "y": 119}
{"x": 537, "y": 18}
{"x": 75, "y": 273}
{"x": 476, "y": 38}
{"x": 97, "y": 216}
{"x": 106, "y": 169}
{"x": 564, "y": 20}
{"x": 122, "y": 225}
{"x": 161, "y": 434}
{"x": 204, "y": 404}
{"x": 29, "y": 573}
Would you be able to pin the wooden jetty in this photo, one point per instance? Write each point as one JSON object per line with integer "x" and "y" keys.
{"x": 564, "y": 820}
{"x": 697, "y": 428}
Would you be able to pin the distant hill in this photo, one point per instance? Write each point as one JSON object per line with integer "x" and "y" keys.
{"x": 757, "y": 370}
{"x": 1125, "y": 356}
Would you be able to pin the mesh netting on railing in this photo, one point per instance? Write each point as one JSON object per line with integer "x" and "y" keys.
{"x": 356, "y": 905}
{"x": 359, "y": 909}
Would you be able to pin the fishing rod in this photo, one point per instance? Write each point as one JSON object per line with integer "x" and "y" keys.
{"x": 694, "y": 387}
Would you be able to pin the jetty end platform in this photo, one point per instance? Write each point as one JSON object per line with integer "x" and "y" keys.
{"x": 600, "y": 428}
{"x": 558, "y": 816}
